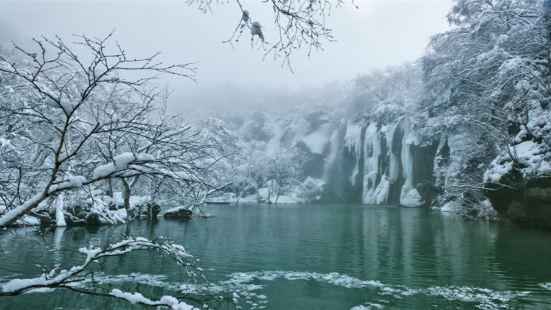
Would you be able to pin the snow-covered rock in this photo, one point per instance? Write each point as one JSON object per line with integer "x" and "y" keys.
{"x": 181, "y": 213}
{"x": 518, "y": 183}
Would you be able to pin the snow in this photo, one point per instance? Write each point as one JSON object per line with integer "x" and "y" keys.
{"x": 118, "y": 199}
{"x": 21, "y": 209}
{"x": 56, "y": 277}
{"x": 316, "y": 141}
{"x": 174, "y": 303}
{"x": 372, "y": 145}
{"x": 284, "y": 199}
{"x": 59, "y": 215}
{"x": 135, "y": 298}
{"x": 16, "y": 284}
{"x": 222, "y": 199}
{"x": 262, "y": 195}
{"x": 246, "y": 285}
{"x": 333, "y": 278}
{"x": 533, "y": 155}
{"x": 353, "y": 143}
{"x": 176, "y": 209}
{"x": 497, "y": 170}
{"x": 121, "y": 163}
{"x": 70, "y": 182}
{"x": 25, "y": 220}
{"x": 368, "y": 306}
{"x": 410, "y": 197}
{"x": 246, "y": 292}
{"x": 90, "y": 253}
{"x": 483, "y": 298}
{"x": 380, "y": 194}
{"x": 353, "y": 138}
{"x": 100, "y": 206}
{"x": 510, "y": 65}
{"x": 5, "y": 142}
{"x": 394, "y": 164}
{"x": 451, "y": 206}
{"x": 28, "y": 220}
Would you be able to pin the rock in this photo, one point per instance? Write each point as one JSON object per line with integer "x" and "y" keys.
{"x": 521, "y": 200}
{"x": 150, "y": 210}
{"x": 71, "y": 221}
{"x": 179, "y": 213}
{"x": 93, "y": 219}
{"x": 45, "y": 218}
{"x": 113, "y": 206}
{"x": 153, "y": 209}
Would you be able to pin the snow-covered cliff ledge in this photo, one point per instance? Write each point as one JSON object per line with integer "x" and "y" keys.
{"x": 518, "y": 183}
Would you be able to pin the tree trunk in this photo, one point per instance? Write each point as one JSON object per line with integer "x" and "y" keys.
{"x": 13, "y": 215}
{"x": 126, "y": 194}
{"x": 237, "y": 197}
{"x": 110, "y": 187}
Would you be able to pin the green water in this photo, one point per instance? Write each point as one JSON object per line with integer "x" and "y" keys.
{"x": 307, "y": 257}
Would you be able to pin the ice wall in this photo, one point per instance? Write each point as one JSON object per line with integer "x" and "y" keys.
{"x": 358, "y": 161}
{"x": 382, "y": 164}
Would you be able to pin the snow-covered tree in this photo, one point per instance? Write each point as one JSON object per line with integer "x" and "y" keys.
{"x": 279, "y": 172}
{"x": 68, "y": 109}
{"x": 387, "y": 94}
{"x": 296, "y": 25}
{"x": 487, "y": 80}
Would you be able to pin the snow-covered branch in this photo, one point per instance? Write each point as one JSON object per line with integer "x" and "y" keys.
{"x": 68, "y": 278}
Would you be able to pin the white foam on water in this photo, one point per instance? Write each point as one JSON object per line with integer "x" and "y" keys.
{"x": 483, "y": 298}
{"x": 247, "y": 293}
{"x": 245, "y": 285}
{"x": 368, "y": 306}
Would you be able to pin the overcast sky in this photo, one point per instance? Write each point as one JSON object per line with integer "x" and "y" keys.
{"x": 378, "y": 34}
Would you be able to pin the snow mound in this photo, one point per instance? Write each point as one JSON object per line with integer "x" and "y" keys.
{"x": 451, "y": 206}
{"x": 410, "y": 197}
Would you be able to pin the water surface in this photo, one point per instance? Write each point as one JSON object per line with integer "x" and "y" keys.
{"x": 306, "y": 257}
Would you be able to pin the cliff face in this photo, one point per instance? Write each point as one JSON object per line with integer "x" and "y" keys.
{"x": 382, "y": 164}
{"x": 357, "y": 162}
{"x": 392, "y": 163}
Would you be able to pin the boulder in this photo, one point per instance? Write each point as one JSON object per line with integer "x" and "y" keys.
{"x": 178, "y": 213}
{"x": 521, "y": 200}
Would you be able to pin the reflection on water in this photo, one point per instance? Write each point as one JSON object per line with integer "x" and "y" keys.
{"x": 308, "y": 257}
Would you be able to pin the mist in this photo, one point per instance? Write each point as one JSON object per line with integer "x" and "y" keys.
{"x": 375, "y": 35}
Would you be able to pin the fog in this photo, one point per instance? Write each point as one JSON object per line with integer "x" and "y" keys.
{"x": 377, "y": 34}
